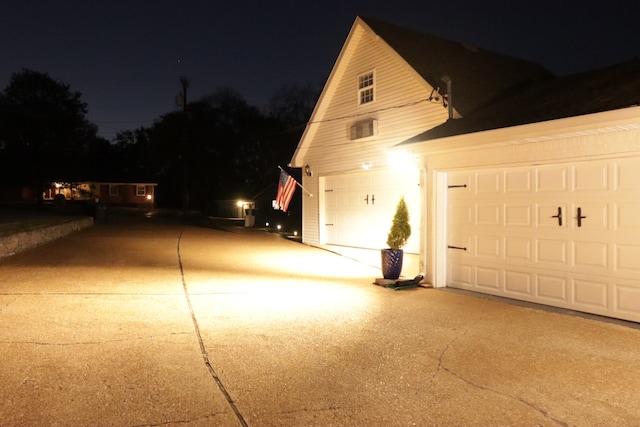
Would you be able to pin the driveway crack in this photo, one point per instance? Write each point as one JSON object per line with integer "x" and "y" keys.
{"x": 441, "y": 367}
{"x": 203, "y": 349}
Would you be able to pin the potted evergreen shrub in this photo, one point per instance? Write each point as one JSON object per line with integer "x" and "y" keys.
{"x": 396, "y": 239}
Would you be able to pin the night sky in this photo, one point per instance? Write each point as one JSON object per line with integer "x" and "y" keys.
{"x": 125, "y": 57}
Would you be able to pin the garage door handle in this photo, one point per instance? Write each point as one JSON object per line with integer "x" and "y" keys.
{"x": 580, "y": 217}
{"x": 559, "y": 216}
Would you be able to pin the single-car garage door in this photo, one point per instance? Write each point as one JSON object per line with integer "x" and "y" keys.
{"x": 358, "y": 208}
{"x": 564, "y": 235}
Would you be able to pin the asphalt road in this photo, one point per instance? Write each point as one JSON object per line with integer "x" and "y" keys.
{"x": 150, "y": 322}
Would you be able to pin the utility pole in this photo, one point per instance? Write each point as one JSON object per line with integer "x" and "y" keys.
{"x": 185, "y": 148}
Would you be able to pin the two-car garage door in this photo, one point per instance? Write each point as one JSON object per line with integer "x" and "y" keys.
{"x": 565, "y": 235}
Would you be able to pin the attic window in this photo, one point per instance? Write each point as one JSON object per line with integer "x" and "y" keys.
{"x": 365, "y": 88}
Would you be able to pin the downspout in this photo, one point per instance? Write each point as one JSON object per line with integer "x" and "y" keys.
{"x": 447, "y": 80}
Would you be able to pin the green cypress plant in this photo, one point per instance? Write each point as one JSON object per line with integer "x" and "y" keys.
{"x": 400, "y": 228}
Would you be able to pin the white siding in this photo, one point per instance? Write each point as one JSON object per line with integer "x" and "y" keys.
{"x": 397, "y": 88}
{"x": 401, "y": 109}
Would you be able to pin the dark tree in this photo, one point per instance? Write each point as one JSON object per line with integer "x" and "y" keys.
{"x": 222, "y": 148}
{"x": 43, "y": 132}
{"x": 134, "y": 158}
{"x": 293, "y": 104}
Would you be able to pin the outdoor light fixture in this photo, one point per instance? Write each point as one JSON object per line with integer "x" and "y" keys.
{"x": 307, "y": 170}
{"x": 366, "y": 166}
{"x": 279, "y": 227}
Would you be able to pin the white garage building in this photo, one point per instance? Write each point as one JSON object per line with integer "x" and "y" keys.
{"x": 519, "y": 184}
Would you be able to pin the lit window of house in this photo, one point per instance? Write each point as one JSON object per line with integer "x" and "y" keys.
{"x": 365, "y": 88}
{"x": 140, "y": 190}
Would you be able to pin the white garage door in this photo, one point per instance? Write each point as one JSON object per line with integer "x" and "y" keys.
{"x": 562, "y": 235}
{"x": 359, "y": 208}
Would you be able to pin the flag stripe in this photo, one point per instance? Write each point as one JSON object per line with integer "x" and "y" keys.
{"x": 286, "y": 188}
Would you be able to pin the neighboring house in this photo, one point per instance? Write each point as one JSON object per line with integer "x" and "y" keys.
{"x": 525, "y": 186}
{"x": 114, "y": 193}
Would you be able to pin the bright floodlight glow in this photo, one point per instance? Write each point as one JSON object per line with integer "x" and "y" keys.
{"x": 401, "y": 159}
{"x": 279, "y": 227}
{"x": 148, "y": 196}
{"x": 292, "y": 282}
{"x": 241, "y": 203}
{"x": 295, "y": 233}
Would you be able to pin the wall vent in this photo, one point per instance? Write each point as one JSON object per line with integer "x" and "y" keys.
{"x": 364, "y": 129}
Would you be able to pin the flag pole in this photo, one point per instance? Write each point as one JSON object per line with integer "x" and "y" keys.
{"x": 299, "y": 185}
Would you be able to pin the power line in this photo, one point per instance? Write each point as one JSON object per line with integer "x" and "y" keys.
{"x": 393, "y": 107}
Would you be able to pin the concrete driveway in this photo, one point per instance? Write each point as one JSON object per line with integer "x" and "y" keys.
{"x": 148, "y": 322}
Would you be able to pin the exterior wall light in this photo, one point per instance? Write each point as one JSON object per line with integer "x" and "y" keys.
{"x": 307, "y": 170}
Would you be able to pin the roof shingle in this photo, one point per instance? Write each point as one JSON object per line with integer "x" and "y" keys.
{"x": 605, "y": 89}
{"x": 479, "y": 77}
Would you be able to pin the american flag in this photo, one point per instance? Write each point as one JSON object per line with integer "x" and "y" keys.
{"x": 286, "y": 188}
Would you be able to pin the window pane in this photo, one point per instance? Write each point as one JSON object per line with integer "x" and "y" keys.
{"x": 366, "y": 96}
{"x": 365, "y": 80}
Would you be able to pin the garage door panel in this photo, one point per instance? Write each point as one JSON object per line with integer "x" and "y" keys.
{"x": 488, "y": 246}
{"x": 462, "y": 184}
{"x": 596, "y": 216}
{"x": 518, "y": 182}
{"x": 626, "y": 297}
{"x": 489, "y": 183}
{"x": 551, "y": 289}
{"x": 488, "y": 278}
{"x": 626, "y": 217}
{"x": 518, "y": 248}
{"x": 488, "y": 214}
{"x": 551, "y": 179}
{"x": 551, "y": 215}
{"x": 591, "y": 255}
{"x": 523, "y": 239}
{"x": 590, "y": 295}
{"x": 459, "y": 245}
{"x": 518, "y": 283}
{"x": 627, "y": 175}
{"x": 461, "y": 274}
{"x": 591, "y": 177}
{"x": 460, "y": 214}
{"x": 627, "y": 259}
{"x": 552, "y": 251}
{"x": 518, "y": 215}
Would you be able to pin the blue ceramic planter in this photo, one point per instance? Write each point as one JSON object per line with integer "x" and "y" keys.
{"x": 391, "y": 263}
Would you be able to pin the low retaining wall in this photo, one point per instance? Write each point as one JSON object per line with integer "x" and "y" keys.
{"x": 14, "y": 243}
